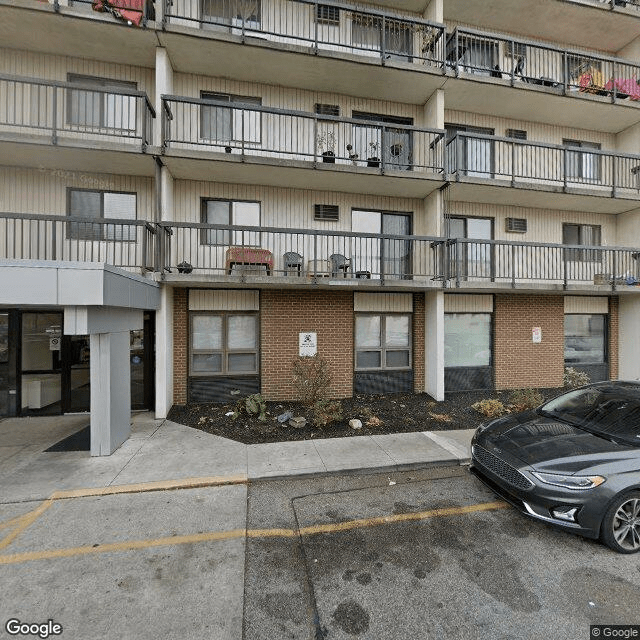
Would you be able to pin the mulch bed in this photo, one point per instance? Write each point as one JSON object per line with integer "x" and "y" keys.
{"x": 396, "y": 413}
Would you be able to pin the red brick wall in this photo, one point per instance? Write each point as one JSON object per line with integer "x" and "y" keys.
{"x": 283, "y": 315}
{"x": 519, "y": 363}
{"x": 180, "y": 346}
{"x": 418, "y": 343}
{"x": 613, "y": 337}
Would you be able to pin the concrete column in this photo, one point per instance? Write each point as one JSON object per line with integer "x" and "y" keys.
{"x": 434, "y": 344}
{"x": 628, "y": 140}
{"x": 164, "y": 353}
{"x": 434, "y": 11}
{"x": 433, "y": 223}
{"x": 433, "y": 110}
{"x": 164, "y": 86}
{"x": 628, "y": 229}
{"x": 631, "y": 51}
{"x": 110, "y": 392}
{"x": 166, "y": 195}
{"x": 628, "y": 343}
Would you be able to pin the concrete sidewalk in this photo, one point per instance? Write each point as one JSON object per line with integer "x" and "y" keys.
{"x": 163, "y": 450}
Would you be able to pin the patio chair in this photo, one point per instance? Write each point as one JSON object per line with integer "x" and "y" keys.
{"x": 339, "y": 263}
{"x": 292, "y": 261}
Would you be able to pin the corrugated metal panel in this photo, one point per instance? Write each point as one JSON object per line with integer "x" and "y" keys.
{"x": 383, "y": 382}
{"x": 586, "y": 304}
{"x": 383, "y": 302}
{"x": 44, "y": 191}
{"x": 465, "y": 303}
{"x": 543, "y": 225}
{"x": 223, "y": 300}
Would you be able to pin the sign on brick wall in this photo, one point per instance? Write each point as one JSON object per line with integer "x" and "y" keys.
{"x": 307, "y": 344}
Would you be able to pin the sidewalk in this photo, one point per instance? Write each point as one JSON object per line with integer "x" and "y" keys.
{"x": 163, "y": 450}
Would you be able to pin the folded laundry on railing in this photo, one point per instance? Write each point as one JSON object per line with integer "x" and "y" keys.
{"x": 130, "y": 10}
{"x": 625, "y": 87}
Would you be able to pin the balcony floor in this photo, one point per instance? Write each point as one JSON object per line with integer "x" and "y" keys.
{"x": 221, "y": 167}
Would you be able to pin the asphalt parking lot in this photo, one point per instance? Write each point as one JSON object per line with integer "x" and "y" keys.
{"x": 421, "y": 554}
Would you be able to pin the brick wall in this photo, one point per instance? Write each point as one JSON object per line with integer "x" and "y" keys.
{"x": 418, "y": 343}
{"x": 613, "y": 337}
{"x": 519, "y": 363}
{"x": 180, "y": 353}
{"x": 283, "y": 315}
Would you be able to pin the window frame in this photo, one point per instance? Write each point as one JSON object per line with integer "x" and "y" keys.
{"x": 327, "y": 14}
{"x": 491, "y": 317}
{"x": 605, "y": 340}
{"x": 102, "y": 227}
{"x": 102, "y": 87}
{"x": 383, "y": 348}
{"x": 225, "y": 351}
{"x": 232, "y": 99}
{"x": 582, "y": 255}
{"x": 228, "y": 235}
{"x": 579, "y": 149}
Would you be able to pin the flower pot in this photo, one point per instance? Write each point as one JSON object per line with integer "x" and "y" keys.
{"x": 329, "y": 156}
{"x": 373, "y": 162}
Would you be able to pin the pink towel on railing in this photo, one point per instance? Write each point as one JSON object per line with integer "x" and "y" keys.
{"x": 628, "y": 86}
{"x": 132, "y": 10}
{"x": 248, "y": 255}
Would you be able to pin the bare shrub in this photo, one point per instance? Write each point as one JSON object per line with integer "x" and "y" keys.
{"x": 523, "y": 399}
{"x": 489, "y": 408}
{"x": 311, "y": 379}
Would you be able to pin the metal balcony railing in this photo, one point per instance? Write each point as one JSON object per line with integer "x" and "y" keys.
{"x": 633, "y": 5}
{"x": 513, "y": 263}
{"x": 75, "y": 111}
{"x": 281, "y": 134}
{"x": 330, "y": 26}
{"x": 122, "y": 243}
{"x": 525, "y": 62}
{"x": 477, "y": 156}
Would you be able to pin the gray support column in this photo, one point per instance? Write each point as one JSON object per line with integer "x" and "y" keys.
{"x": 628, "y": 343}
{"x": 434, "y": 344}
{"x": 110, "y": 392}
{"x": 164, "y": 353}
{"x": 164, "y": 86}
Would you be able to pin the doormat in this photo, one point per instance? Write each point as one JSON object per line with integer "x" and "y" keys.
{"x": 78, "y": 441}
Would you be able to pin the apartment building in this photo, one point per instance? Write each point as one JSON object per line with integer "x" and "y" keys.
{"x": 441, "y": 195}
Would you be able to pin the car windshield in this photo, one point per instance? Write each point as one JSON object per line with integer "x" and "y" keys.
{"x": 601, "y": 410}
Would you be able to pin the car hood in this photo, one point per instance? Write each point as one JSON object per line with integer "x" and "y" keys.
{"x": 552, "y": 445}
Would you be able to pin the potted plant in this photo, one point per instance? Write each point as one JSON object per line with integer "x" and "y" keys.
{"x": 396, "y": 149}
{"x": 373, "y": 160}
{"x": 352, "y": 156}
{"x": 326, "y": 146}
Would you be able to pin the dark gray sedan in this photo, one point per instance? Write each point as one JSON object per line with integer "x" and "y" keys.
{"x": 573, "y": 462}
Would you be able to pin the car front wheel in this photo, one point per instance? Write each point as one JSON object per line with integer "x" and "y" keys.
{"x": 621, "y": 524}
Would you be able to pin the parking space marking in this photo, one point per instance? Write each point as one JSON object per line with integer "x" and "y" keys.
{"x": 26, "y": 520}
{"x": 213, "y": 536}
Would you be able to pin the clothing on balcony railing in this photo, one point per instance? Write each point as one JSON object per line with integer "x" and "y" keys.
{"x": 625, "y": 88}
{"x": 133, "y": 11}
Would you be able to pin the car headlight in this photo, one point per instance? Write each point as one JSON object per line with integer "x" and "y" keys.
{"x": 570, "y": 482}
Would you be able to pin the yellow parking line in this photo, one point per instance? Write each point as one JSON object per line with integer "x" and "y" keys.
{"x": 131, "y": 545}
{"x": 26, "y": 520}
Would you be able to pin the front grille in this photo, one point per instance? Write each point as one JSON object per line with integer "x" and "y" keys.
{"x": 500, "y": 468}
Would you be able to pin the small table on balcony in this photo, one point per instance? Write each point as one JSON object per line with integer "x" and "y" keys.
{"x": 249, "y": 256}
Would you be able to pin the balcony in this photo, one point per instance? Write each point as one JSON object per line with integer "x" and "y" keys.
{"x": 121, "y": 243}
{"x": 338, "y": 39}
{"x": 297, "y": 149}
{"x": 549, "y": 80}
{"x": 606, "y": 25}
{"x": 232, "y": 255}
{"x": 477, "y": 264}
{"x": 61, "y": 125}
{"x": 541, "y": 175}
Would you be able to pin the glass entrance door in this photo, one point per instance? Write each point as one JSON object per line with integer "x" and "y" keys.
{"x": 41, "y": 363}
{"x": 4, "y": 364}
{"x": 76, "y": 374}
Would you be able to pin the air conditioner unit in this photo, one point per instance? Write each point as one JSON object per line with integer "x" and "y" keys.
{"x": 516, "y": 225}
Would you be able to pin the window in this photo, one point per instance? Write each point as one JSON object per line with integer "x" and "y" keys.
{"x": 242, "y": 123}
{"x": 577, "y": 65}
{"x": 223, "y": 344}
{"x": 516, "y": 134}
{"x": 100, "y": 205}
{"x": 472, "y": 259}
{"x": 383, "y": 341}
{"x": 327, "y": 14}
{"x": 366, "y": 33}
{"x": 102, "y": 105}
{"x": 231, "y": 12}
{"x": 580, "y": 165}
{"x": 467, "y": 339}
{"x": 328, "y": 109}
{"x": 515, "y": 49}
{"x": 377, "y": 137}
{"x": 585, "y": 339}
{"x": 230, "y": 212}
{"x": 588, "y": 235}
